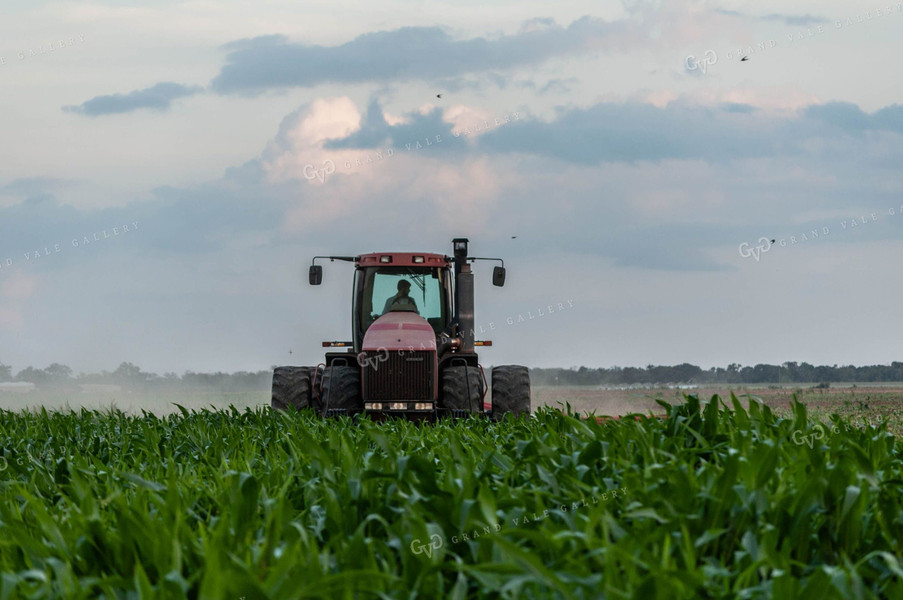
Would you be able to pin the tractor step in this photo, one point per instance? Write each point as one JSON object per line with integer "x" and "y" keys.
{"x": 339, "y": 412}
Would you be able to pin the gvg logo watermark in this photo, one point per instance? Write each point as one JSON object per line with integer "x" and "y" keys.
{"x": 809, "y": 439}
{"x": 799, "y": 438}
{"x": 312, "y": 172}
{"x": 364, "y": 359}
{"x": 3, "y": 463}
{"x": 756, "y": 252}
{"x": 764, "y": 245}
{"x": 709, "y": 58}
{"x": 435, "y": 542}
{"x": 372, "y": 358}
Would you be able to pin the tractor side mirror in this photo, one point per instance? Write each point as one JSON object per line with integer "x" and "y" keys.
{"x": 315, "y": 276}
{"x": 498, "y": 276}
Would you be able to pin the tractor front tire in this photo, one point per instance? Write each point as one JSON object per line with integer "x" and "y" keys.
{"x": 455, "y": 383}
{"x": 341, "y": 389}
{"x": 510, "y": 391}
{"x": 291, "y": 388}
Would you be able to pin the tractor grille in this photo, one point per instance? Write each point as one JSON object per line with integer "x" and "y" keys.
{"x": 398, "y": 375}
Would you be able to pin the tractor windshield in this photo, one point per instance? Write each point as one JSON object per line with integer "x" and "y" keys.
{"x": 422, "y": 291}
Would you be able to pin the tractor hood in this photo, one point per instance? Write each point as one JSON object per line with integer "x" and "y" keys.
{"x": 400, "y": 331}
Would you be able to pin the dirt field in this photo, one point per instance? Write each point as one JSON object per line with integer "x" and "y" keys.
{"x": 860, "y": 404}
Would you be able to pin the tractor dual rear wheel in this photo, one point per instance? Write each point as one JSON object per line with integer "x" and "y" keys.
{"x": 291, "y": 387}
{"x": 455, "y": 384}
{"x": 510, "y": 391}
{"x": 341, "y": 390}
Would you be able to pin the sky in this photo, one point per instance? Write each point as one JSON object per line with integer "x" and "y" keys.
{"x": 168, "y": 170}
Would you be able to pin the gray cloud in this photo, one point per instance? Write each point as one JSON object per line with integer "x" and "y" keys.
{"x": 480, "y": 82}
{"x": 738, "y": 108}
{"x": 850, "y": 117}
{"x": 31, "y": 187}
{"x": 174, "y": 221}
{"x": 268, "y": 62}
{"x": 794, "y": 20}
{"x": 375, "y": 132}
{"x": 158, "y": 97}
{"x": 561, "y": 86}
{"x": 633, "y": 132}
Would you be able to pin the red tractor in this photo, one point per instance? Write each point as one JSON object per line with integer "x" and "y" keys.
{"x": 412, "y": 348}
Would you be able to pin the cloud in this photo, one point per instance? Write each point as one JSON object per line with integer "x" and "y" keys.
{"x": 158, "y": 97}
{"x": 30, "y": 186}
{"x": 417, "y": 125}
{"x": 333, "y": 132}
{"x": 794, "y": 20}
{"x": 442, "y": 183}
{"x": 373, "y": 131}
{"x": 786, "y": 105}
{"x": 303, "y": 133}
{"x": 561, "y": 86}
{"x": 629, "y": 131}
{"x": 173, "y": 222}
{"x": 849, "y": 117}
{"x": 738, "y": 107}
{"x": 30, "y": 189}
{"x": 429, "y": 53}
{"x": 632, "y": 132}
{"x": 479, "y": 82}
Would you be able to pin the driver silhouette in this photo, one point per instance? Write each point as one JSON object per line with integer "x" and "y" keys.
{"x": 401, "y": 300}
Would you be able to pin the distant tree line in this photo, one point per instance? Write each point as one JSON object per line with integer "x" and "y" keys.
{"x": 789, "y": 372}
{"x": 128, "y": 375}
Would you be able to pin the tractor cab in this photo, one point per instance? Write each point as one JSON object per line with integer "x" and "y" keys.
{"x": 419, "y": 284}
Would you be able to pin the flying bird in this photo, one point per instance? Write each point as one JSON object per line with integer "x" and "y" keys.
{"x": 438, "y": 95}
{"x": 513, "y": 237}
{"x": 744, "y": 59}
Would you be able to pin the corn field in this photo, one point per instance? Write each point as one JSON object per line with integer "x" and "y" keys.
{"x": 712, "y": 501}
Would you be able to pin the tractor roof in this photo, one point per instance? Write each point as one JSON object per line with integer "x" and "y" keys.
{"x": 403, "y": 259}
